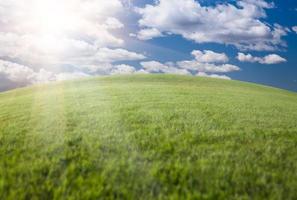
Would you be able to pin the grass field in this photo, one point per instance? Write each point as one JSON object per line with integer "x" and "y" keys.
{"x": 148, "y": 137}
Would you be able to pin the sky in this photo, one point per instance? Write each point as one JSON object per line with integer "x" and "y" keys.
{"x": 43, "y": 41}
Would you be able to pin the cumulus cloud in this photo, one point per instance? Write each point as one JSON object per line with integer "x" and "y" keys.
{"x": 204, "y": 62}
{"x": 141, "y": 71}
{"x": 70, "y": 76}
{"x": 294, "y": 28}
{"x": 113, "y": 55}
{"x": 157, "y": 67}
{"x": 123, "y": 69}
{"x": 15, "y": 72}
{"x": 147, "y": 34}
{"x": 113, "y": 23}
{"x": 89, "y": 19}
{"x": 154, "y": 66}
{"x": 208, "y": 56}
{"x": 195, "y": 65}
{"x": 45, "y": 36}
{"x": 49, "y": 50}
{"x": 23, "y": 74}
{"x": 236, "y": 24}
{"x": 273, "y": 59}
{"x": 247, "y": 58}
{"x": 269, "y": 59}
{"x": 203, "y": 74}
{"x": 207, "y": 61}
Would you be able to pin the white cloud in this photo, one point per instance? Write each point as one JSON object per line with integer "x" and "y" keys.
{"x": 208, "y": 56}
{"x": 206, "y": 61}
{"x": 175, "y": 70}
{"x": 157, "y": 67}
{"x": 294, "y": 28}
{"x": 113, "y": 23}
{"x": 43, "y": 76}
{"x": 203, "y": 74}
{"x": 273, "y": 59}
{"x": 195, "y": 65}
{"x": 238, "y": 25}
{"x": 269, "y": 59}
{"x": 64, "y": 51}
{"x": 45, "y": 36}
{"x": 141, "y": 71}
{"x": 154, "y": 66}
{"x": 15, "y": 72}
{"x": 123, "y": 69}
{"x": 113, "y": 55}
{"x": 54, "y": 17}
{"x": 147, "y": 34}
{"x": 23, "y": 74}
{"x": 70, "y": 76}
{"x": 247, "y": 58}
{"x": 57, "y": 50}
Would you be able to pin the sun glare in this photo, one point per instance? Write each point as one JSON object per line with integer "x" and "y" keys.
{"x": 51, "y": 17}
{"x": 51, "y": 21}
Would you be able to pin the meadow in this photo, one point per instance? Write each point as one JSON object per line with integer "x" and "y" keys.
{"x": 148, "y": 137}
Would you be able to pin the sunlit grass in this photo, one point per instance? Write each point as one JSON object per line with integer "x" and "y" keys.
{"x": 148, "y": 137}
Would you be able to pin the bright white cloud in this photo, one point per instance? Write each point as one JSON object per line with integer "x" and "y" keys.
{"x": 208, "y": 56}
{"x": 45, "y": 35}
{"x": 154, "y": 66}
{"x": 23, "y": 74}
{"x": 147, "y": 34}
{"x": 37, "y": 18}
{"x": 247, "y": 58}
{"x": 70, "y": 76}
{"x": 113, "y": 23}
{"x": 15, "y": 72}
{"x": 269, "y": 59}
{"x": 195, "y": 65}
{"x": 203, "y": 74}
{"x": 238, "y": 25}
{"x": 204, "y": 62}
{"x": 294, "y": 28}
{"x": 273, "y": 59}
{"x": 182, "y": 68}
{"x": 113, "y": 55}
{"x": 90, "y": 19}
{"x": 65, "y": 51}
{"x": 175, "y": 70}
{"x": 42, "y": 76}
{"x": 141, "y": 71}
{"x": 123, "y": 69}
{"x": 157, "y": 67}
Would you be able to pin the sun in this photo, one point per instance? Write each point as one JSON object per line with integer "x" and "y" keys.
{"x": 52, "y": 17}
{"x": 55, "y": 28}
{"x": 50, "y": 21}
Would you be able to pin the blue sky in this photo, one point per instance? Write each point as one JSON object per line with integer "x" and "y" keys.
{"x": 249, "y": 40}
{"x": 283, "y": 75}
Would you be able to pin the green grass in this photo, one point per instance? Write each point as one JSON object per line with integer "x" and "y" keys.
{"x": 148, "y": 137}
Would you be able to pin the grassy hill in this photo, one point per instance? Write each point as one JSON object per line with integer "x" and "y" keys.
{"x": 148, "y": 137}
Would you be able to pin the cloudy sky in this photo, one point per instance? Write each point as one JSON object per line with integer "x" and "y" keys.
{"x": 51, "y": 40}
